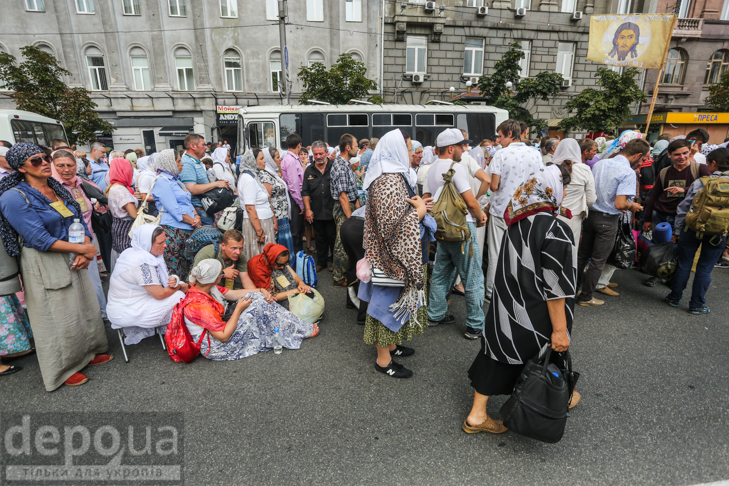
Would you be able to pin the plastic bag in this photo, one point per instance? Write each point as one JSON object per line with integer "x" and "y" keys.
{"x": 364, "y": 270}
{"x": 659, "y": 261}
{"x": 307, "y": 307}
{"x": 623, "y": 254}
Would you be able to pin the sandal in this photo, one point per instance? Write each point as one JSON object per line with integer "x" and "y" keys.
{"x": 11, "y": 370}
{"x": 315, "y": 332}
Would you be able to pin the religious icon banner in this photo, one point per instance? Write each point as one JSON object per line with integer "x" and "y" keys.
{"x": 630, "y": 40}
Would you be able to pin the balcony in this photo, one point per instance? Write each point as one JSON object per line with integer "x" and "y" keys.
{"x": 686, "y": 28}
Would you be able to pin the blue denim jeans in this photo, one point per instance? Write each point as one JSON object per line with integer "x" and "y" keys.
{"x": 711, "y": 250}
{"x": 204, "y": 218}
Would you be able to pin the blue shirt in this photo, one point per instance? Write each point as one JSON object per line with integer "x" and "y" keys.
{"x": 98, "y": 174}
{"x": 613, "y": 178}
{"x": 38, "y": 223}
{"x": 364, "y": 159}
{"x": 193, "y": 171}
{"x": 173, "y": 201}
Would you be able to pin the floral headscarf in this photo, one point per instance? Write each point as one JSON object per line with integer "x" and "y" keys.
{"x": 249, "y": 166}
{"x": 166, "y": 161}
{"x": 542, "y": 191}
{"x": 601, "y": 144}
{"x": 620, "y": 143}
{"x": 707, "y": 148}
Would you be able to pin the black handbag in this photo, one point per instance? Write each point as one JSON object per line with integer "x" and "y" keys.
{"x": 215, "y": 200}
{"x": 624, "y": 251}
{"x": 659, "y": 261}
{"x": 538, "y": 407}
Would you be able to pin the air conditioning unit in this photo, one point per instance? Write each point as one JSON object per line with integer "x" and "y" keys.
{"x": 418, "y": 78}
{"x": 482, "y": 11}
{"x": 474, "y": 81}
{"x": 520, "y": 12}
{"x": 430, "y": 6}
{"x": 576, "y": 16}
{"x": 566, "y": 83}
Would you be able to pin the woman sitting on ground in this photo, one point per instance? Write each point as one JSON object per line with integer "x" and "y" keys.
{"x": 250, "y": 327}
{"x": 141, "y": 292}
{"x": 271, "y": 271}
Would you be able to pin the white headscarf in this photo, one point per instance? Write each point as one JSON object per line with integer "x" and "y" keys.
{"x": 271, "y": 166}
{"x": 166, "y": 161}
{"x": 478, "y": 156}
{"x": 143, "y": 163}
{"x": 139, "y": 254}
{"x": 428, "y": 156}
{"x": 568, "y": 149}
{"x": 206, "y": 272}
{"x": 219, "y": 155}
{"x": 390, "y": 157}
{"x": 248, "y": 163}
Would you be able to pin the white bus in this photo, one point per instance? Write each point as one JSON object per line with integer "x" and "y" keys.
{"x": 262, "y": 126}
{"x": 23, "y": 126}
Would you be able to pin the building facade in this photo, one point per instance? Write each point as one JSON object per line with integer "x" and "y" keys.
{"x": 159, "y": 69}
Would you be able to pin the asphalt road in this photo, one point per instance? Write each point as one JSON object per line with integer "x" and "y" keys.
{"x": 655, "y": 407}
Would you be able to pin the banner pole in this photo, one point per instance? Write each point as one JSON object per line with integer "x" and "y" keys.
{"x": 658, "y": 80}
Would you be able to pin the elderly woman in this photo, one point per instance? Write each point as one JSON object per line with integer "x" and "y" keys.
{"x": 64, "y": 171}
{"x": 122, "y": 204}
{"x": 580, "y": 194}
{"x": 278, "y": 192}
{"x": 393, "y": 246}
{"x": 141, "y": 292}
{"x": 250, "y": 328}
{"x": 221, "y": 166}
{"x": 533, "y": 305}
{"x": 64, "y": 312}
{"x": 271, "y": 271}
{"x": 179, "y": 217}
{"x": 259, "y": 221}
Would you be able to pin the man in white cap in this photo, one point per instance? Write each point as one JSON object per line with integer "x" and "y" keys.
{"x": 5, "y": 169}
{"x": 451, "y": 257}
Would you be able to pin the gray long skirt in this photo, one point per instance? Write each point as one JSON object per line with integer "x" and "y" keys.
{"x": 64, "y": 315}
{"x": 251, "y": 247}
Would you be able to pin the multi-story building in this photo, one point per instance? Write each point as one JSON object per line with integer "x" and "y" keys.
{"x": 160, "y": 68}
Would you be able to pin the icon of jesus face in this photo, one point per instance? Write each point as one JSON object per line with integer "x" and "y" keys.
{"x": 626, "y": 40}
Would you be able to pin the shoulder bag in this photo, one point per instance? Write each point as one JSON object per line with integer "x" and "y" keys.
{"x": 142, "y": 216}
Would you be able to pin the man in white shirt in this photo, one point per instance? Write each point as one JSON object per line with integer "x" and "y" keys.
{"x": 456, "y": 257}
{"x": 510, "y": 167}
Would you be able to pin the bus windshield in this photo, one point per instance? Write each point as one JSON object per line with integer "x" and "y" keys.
{"x": 36, "y": 132}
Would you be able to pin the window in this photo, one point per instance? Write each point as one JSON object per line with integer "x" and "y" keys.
{"x": 527, "y": 4}
{"x": 229, "y": 8}
{"x": 343, "y": 120}
{"x": 416, "y": 54}
{"x": 233, "y": 71}
{"x": 474, "y": 3}
{"x": 183, "y": 64}
{"x": 36, "y": 132}
{"x": 683, "y": 9}
{"x": 97, "y": 72}
{"x": 568, "y": 6}
{"x": 310, "y": 126}
{"x": 526, "y": 48}
{"x": 388, "y": 120}
{"x": 314, "y": 57}
{"x": 35, "y": 5}
{"x": 47, "y": 49}
{"x": 177, "y": 8}
{"x": 725, "y": 11}
{"x": 473, "y": 58}
{"x": 358, "y": 57}
{"x": 131, "y": 7}
{"x": 85, "y": 6}
{"x": 354, "y": 10}
{"x": 675, "y": 64}
{"x": 624, "y": 6}
{"x": 718, "y": 65}
{"x": 565, "y": 59}
{"x": 271, "y": 10}
{"x": 315, "y": 10}
{"x": 140, "y": 70}
{"x": 275, "y": 69}
{"x": 261, "y": 134}
{"x": 426, "y": 120}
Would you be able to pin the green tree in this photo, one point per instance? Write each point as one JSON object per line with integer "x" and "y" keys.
{"x": 719, "y": 94}
{"x": 604, "y": 108}
{"x": 38, "y": 86}
{"x": 523, "y": 94}
{"x": 346, "y": 80}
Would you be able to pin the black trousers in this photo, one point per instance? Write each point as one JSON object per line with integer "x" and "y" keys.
{"x": 105, "y": 242}
{"x": 352, "y": 235}
{"x": 296, "y": 222}
{"x": 598, "y": 240}
{"x": 325, "y": 234}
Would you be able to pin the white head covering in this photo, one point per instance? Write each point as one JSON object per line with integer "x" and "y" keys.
{"x": 139, "y": 254}
{"x": 271, "y": 166}
{"x": 219, "y": 155}
{"x": 428, "y": 155}
{"x": 478, "y": 156}
{"x": 248, "y": 164}
{"x": 542, "y": 189}
{"x": 206, "y": 272}
{"x": 167, "y": 162}
{"x": 568, "y": 149}
{"x": 390, "y": 157}
{"x": 143, "y": 163}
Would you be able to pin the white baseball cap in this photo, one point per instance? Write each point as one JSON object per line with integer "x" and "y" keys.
{"x": 3, "y": 151}
{"x": 450, "y": 136}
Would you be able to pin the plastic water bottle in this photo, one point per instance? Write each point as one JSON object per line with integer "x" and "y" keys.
{"x": 277, "y": 341}
{"x": 76, "y": 234}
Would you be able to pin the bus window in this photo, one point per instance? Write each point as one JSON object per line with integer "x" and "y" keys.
{"x": 402, "y": 120}
{"x": 36, "y": 132}
{"x": 40, "y": 135}
{"x": 444, "y": 120}
{"x": 337, "y": 120}
{"x": 309, "y": 125}
{"x": 53, "y": 132}
{"x": 381, "y": 120}
{"x": 477, "y": 125}
{"x": 261, "y": 134}
{"x": 424, "y": 120}
{"x": 23, "y": 131}
{"x": 385, "y": 122}
{"x": 358, "y": 120}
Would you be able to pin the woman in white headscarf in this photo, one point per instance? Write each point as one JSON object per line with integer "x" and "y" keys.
{"x": 533, "y": 304}
{"x": 240, "y": 330}
{"x": 393, "y": 246}
{"x": 429, "y": 157}
{"x": 221, "y": 166}
{"x": 580, "y": 194}
{"x": 278, "y": 191}
{"x": 144, "y": 183}
{"x": 141, "y": 292}
{"x": 260, "y": 223}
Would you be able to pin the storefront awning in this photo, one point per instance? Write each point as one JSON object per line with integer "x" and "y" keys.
{"x": 554, "y": 123}
{"x": 175, "y": 131}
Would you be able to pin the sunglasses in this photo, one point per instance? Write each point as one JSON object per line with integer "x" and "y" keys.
{"x": 38, "y": 161}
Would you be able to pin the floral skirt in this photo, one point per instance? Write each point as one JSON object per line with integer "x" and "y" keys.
{"x": 283, "y": 237}
{"x": 174, "y": 254}
{"x": 15, "y": 333}
{"x": 376, "y": 333}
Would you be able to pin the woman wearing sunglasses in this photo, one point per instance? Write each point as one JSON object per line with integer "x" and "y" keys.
{"x": 63, "y": 310}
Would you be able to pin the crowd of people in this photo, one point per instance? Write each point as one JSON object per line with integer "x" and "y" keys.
{"x": 540, "y": 225}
